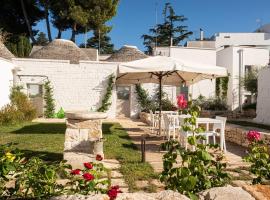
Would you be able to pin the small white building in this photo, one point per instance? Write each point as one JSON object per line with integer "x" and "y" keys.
{"x": 79, "y": 82}
{"x": 6, "y": 74}
{"x": 238, "y": 52}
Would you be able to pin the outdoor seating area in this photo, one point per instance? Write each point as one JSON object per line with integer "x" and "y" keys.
{"x": 86, "y": 115}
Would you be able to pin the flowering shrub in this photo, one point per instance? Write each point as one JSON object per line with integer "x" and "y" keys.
{"x": 36, "y": 179}
{"x": 198, "y": 169}
{"x": 181, "y": 101}
{"x": 253, "y": 136}
{"x": 258, "y": 157}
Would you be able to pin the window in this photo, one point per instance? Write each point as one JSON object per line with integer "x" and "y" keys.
{"x": 123, "y": 92}
{"x": 34, "y": 90}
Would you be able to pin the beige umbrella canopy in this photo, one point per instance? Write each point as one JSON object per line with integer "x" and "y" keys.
{"x": 60, "y": 49}
{"x": 126, "y": 54}
{"x": 5, "y": 53}
{"x": 166, "y": 70}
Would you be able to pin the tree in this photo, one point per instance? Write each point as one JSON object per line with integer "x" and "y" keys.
{"x": 19, "y": 46}
{"x": 49, "y": 101}
{"x": 168, "y": 33}
{"x": 101, "y": 41}
{"x": 250, "y": 81}
{"x": 18, "y": 17}
{"x": 41, "y": 39}
{"x": 84, "y": 15}
{"x": 46, "y": 5}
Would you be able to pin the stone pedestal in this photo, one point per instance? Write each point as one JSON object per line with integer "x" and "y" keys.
{"x": 83, "y": 134}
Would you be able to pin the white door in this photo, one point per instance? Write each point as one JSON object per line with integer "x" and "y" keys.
{"x": 123, "y": 101}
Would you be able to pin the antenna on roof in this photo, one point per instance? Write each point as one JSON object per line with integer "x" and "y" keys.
{"x": 85, "y": 37}
{"x": 259, "y": 23}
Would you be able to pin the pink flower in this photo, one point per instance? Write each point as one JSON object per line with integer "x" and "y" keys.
{"x": 253, "y": 136}
{"x": 181, "y": 101}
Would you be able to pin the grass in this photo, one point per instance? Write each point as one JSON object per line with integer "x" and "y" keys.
{"x": 119, "y": 146}
{"x": 46, "y": 140}
{"x": 36, "y": 139}
{"x": 252, "y": 124}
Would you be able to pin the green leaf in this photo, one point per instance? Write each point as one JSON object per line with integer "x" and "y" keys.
{"x": 192, "y": 196}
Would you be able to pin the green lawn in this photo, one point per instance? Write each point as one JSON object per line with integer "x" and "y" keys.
{"x": 46, "y": 140}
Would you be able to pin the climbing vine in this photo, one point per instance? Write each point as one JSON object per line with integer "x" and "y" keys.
{"x": 222, "y": 87}
{"x": 106, "y": 99}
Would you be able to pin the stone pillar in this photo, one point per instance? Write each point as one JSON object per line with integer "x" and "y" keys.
{"x": 83, "y": 135}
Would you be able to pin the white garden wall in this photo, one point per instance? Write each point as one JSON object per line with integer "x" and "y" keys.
{"x": 79, "y": 86}
{"x": 76, "y": 86}
{"x": 263, "y": 99}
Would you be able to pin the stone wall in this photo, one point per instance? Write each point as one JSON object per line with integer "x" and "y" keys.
{"x": 238, "y": 134}
{"x": 79, "y": 86}
{"x": 75, "y": 86}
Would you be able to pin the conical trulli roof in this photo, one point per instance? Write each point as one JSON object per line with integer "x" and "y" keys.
{"x": 60, "y": 49}
{"x": 5, "y": 53}
{"x": 126, "y": 54}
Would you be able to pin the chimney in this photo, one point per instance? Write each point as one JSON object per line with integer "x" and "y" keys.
{"x": 201, "y": 34}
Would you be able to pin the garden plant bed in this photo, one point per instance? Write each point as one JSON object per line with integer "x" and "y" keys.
{"x": 46, "y": 140}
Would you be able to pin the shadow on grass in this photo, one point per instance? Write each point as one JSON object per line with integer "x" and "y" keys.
{"x": 44, "y": 155}
{"x": 42, "y": 128}
{"x": 106, "y": 128}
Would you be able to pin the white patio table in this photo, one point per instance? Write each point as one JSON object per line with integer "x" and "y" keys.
{"x": 206, "y": 121}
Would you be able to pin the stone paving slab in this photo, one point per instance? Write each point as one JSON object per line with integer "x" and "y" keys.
{"x": 136, "y": 129}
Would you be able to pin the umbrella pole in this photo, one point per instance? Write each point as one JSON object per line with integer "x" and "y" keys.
{"x": 160, "y": 98}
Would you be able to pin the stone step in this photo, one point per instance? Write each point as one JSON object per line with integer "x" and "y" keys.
{"x": 120, "y": 182}
{"x": 116, "y": 174}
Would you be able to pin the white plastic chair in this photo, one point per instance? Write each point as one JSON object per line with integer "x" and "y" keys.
{"x": 154, "y": 121}
{"x": 220, "y": 133}
{"x": 168, "y": 126}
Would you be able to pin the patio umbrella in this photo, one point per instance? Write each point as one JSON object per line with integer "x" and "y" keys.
{"x": 168, "y": 71}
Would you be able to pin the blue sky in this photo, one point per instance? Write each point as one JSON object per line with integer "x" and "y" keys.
{"x": 135, "y": 17}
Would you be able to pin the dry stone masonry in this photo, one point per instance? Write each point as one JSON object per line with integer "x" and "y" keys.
{"x": 83, "y": 137}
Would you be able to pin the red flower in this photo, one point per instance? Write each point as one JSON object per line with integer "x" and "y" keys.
{"x": 88, "y": 177}
{"x": 253, "y": 136}
{"x": 181, "y": 101}
{"x": 113, "y": 191}
{"x": 75, "y": 172}
{"x": 88, "y": 165}
{"x": 99, "y": 157}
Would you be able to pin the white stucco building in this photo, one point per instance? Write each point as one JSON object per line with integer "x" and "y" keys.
{"x": 79, "y": 81}
{"x": 263, "y": 99}
{"x": 238, "y": 52}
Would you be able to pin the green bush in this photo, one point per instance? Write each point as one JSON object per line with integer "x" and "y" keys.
{"x": 9, "y": 115}
{"x": 19, "y": 110}
{"x": 60, "y": 114}
{"x": 211, "y": 103}
{"x": 36, "y": 179}
{"x": 147, "y": 103}
{"x": 192, "y": 171}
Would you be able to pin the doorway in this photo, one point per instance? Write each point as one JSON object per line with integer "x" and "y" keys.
{"x": 123, "y": 101}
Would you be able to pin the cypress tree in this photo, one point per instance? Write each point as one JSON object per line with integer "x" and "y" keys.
{"x": 49, "y": 101}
